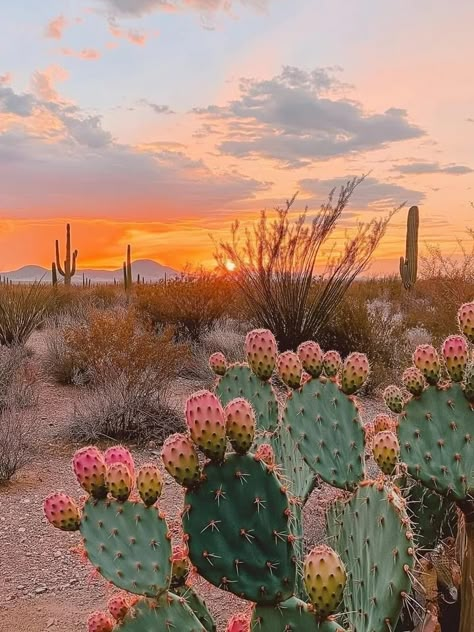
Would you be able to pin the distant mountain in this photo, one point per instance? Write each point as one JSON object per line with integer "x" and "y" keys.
{"x": 148, "y": 270}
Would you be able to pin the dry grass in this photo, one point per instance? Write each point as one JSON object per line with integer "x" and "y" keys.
{"x": 16, "y": 430}
{"x": 22, "y": 309}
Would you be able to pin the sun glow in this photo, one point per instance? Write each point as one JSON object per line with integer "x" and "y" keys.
{"x": 230, "y": 265}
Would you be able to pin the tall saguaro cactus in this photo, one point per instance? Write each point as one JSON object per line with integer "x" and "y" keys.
{"x": 127, "y": 270}
{"x": 68, "y": 269}
{"x": 409, "y": 263}
{"x": 54, "y": 274}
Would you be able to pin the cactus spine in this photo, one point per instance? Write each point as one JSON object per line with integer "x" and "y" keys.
{"x": 68, "y": 269}
{"x": 409, "y": 263}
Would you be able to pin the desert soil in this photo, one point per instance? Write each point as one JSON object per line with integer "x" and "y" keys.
{"x": 45, "y": 586}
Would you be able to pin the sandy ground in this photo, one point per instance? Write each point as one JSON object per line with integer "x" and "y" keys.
{"x": 44, "y": 583}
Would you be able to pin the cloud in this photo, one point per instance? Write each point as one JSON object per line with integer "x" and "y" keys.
{"x": 87, "y": 54}
{"x": 5, "y": 79}
{"x": 371, "y": 193}
{"x": 138, "y": 38}
{"x": 470, "y": 120}
{"x": 43, "y": 82}
{"x": 157, "y": 108}
{"x": 55, "y": 28}
{"x": 17, "y": 104}
{"x": 139, "y": 8}
{"x": 420, "y": 168}
{"x": 296, "y": 117}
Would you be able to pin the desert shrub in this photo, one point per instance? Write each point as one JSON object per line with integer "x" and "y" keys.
{"x": 372, "y": 327}
{"x": 192, "y": 304}
{"x": 22, "y": 309}
{"x": 59, "y": 360}
{"x": 104, "y": 296}
{"x": 278, "y": 261}
{"x": 124, "y": 409}
{"x": 17, "y": 379}
{"x": 16, "y": 429}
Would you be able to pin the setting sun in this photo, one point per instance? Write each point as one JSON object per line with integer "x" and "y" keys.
{"x": 230, "y": 265}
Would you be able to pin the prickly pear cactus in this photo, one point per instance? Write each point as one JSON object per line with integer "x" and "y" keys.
{"x": 292, "y": 615}
{"x": 168, "y": 612}
{"x": 326, "y": 427}
{"x": 372, "y": 534}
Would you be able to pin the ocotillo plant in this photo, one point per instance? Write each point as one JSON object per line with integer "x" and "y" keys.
{"x": 409, "y": 263}
{"x": 127, "y": 270}
{"x": 68, "y": 269}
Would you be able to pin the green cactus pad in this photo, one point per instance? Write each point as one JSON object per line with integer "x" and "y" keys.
{"x": 237, "y": 521}
{"x": 325, "y": 424}
{"x": 198, "y": 606}
{"x": 292, "y": 615}
{"x": 372, "y": 535}
{"x": 435, "y": 435}
{"x": 129, "y": 545}
{"x": 240, "y": 381}
{"x": 168, "y": 612}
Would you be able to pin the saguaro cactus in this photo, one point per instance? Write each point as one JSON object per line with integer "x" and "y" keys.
{"x": 127, "y": 270}
{"x": 54, "y": 274}
{"x": 409, "y": 263}
{"x": 68, "y": 269}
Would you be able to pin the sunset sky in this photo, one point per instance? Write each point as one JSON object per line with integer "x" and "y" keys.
{"x": 158, "y": 122}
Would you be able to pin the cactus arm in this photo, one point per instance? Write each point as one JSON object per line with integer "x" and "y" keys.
{"x": 74, "y": 259}
{"x": 54, "y": 274}
{"x": 58, "y": 260}
{"x": 409, "y": 263}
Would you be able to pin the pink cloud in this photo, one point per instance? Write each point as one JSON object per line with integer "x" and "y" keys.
{"x": 55, "y": 28}
{"x": 5, "y": 79}
{"x": 42, "y": 82}
{"x": 133, "y": 36}
{"x": 88, "y": 54}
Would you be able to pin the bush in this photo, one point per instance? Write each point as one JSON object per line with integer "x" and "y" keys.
{"x": 17, "y": 379}
{"x": 124, "y": 409}
{"x": 22, "y": 309}
{"x": 15, "y": 441}
{"x": 191, "y": 304}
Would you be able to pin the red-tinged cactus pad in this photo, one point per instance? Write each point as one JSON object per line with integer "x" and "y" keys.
{"x": 129, "y": 544}
{"x": 167, "y": 613}
{"x": 238, "y": 524}
{"x": 393, "y": 398}
{"x": 118, "y": 606}
{"x": 386, "y": 451}
{"x": 261, "y": 350}
{"x": 355, "y": 372}
{"x": 435, "y": 434}
{"x": 218, "y": 363}
{"x": 456, "y": 356}
{"x": 181, "y": 460}
{"x": 290, "y": 369}
{"x": 466, "y": 320}
{"x": 62, "y": 512}
{"x": 426, "y": 359}
{"x": 89, "y": 467}
{"x": 238, "y": 623}
{"x": 292, "y": 615}
{"x": 240, "y": 381}
{"x": 414, "y": 381}
{"x": 100, "y": 622}
{"x": 324, "y": 578}
{"x": 384, "y": 422}
{"x": 119, "y": 481}
{"x": 240, "y": 422}
{"x": 326, "y": 427}
{"x": 149, "y": 483}
{"x": 332, "y": 363}
{"x": 311, "y": 356}
{"x": 120, "y": 454}
{"x": 206, "y": 423}
{"x": 372, "y": 534}
{"x": 181, "y": 566}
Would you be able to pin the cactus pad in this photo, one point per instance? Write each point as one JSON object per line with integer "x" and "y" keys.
{"x": 325, "y": 424}
{"x": 129, "y": 544}
{"x": 198, "y": 606}
{"x": 237, "y": 521}
{"x": 292, "y": 615}
{"x": 168, "y": 612}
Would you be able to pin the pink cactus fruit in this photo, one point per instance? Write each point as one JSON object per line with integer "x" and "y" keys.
{"x": 118, "y": 606}
{"x": 354, "y": 372}
{"x": 181, "y": 566}
{"x": 383, "y": 422}
{"x": 120, "y": 454}
{"x": 218, "y": 363}
{"x": 386, "y": 451}
{"x": 206, "y": 422}
{"x": 149, "y": 483}
{"x": 119, "y": 481}
{"x": 239, "y": 622}
{"x": 426, "y": 359}
{"x": 324, "y": 578}
{"x": 311, "y": 356}
{"x": 456, "y": 356}
{"x": 240, "y": 421}
{"x": 466, "y": 320}
{"x": 290, "y": 369}
{"x": 265, "y": 454}
{"x": 181, "y": 460}
{"x": 332, "y": 363}
{"x": 100, "y": 622}
{"x": 89, "y": 467}
{"x": 261, "y": 350}
{"x": 393, "y": 398}
{"x": 414, "y": 381}
{"x": 62, "y": 512}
